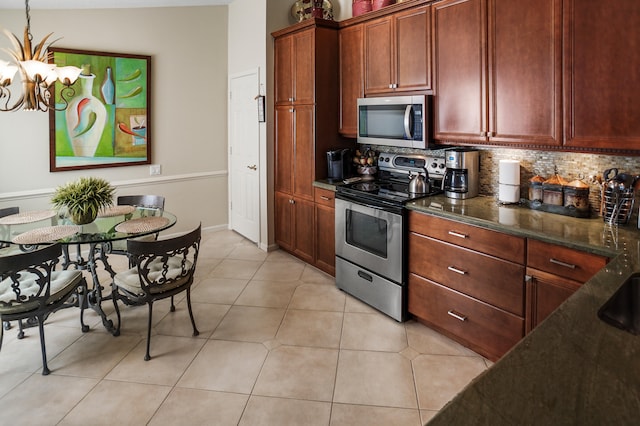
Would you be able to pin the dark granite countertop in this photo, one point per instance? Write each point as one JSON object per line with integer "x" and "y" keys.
{"x": 573, "y": 368}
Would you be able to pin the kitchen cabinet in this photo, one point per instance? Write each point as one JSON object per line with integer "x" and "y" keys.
{"x": 554, "y": 273}
{"x": 305, "y": 127}
{"x": 497, "y": 76}
{"x": 453, "y": 286}
{"x": 351, "y": 78}
{"x": 397, "y": 51}
{"x": 602, "y": 85}
{"x": 325, "y": 250}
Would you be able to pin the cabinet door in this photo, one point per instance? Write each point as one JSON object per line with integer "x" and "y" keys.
{"x": 525, "y": 65}
{"x": 351, "y": 78}
{"x": 413, "y": 49}
{"x": 284, "y": 148}
{"x": 284, "y": 221}
{"x": 325, "y": 239}
{"x": 545, "y": 293}
{"x": 304, "y": 229}
{"x": 602, "y": 82}
{"x": 460, "y": 100}
{"x": 304, "y": 67}
{"x": 283, "y": 66}
{"x": 304, "y": 151}
{"x": 377, "y": 56}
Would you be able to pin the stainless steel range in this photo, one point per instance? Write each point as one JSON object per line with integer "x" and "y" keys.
{"x": 371, "y": 230}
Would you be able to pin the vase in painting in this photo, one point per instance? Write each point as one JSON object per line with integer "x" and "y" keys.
{"x": 86, "y": 118}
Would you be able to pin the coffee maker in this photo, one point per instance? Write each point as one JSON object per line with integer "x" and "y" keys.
{"x": 461, "y": 175}
{"x": 338, "y": 164}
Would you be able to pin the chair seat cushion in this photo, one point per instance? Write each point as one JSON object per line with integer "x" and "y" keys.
{"x": 62, "y": 283}
{"x": 130, "y": 280}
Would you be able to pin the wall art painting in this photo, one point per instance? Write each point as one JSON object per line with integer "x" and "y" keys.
{"x": 104, "y": 121}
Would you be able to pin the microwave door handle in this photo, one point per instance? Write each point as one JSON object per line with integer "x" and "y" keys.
{"x": 407, "y": 122}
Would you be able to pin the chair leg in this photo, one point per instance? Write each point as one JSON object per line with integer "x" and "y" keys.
{"x": 20, "y": 330}
{"x": 45, "y": 367}
{"x": 114, "y": 297}
{"x": 147, "y": 357}
{"x": 81, "y": 293}
{"x": 173, "y": 307}
{"x": 6, "y": 325}
{"x": 2, "y": 334}
{"x": 193, "y": 322}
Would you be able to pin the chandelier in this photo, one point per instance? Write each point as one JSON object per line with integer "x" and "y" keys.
{"x": 36, "y": 73}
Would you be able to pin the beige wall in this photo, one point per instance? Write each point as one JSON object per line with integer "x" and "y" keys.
{"x": 188, "y": 46}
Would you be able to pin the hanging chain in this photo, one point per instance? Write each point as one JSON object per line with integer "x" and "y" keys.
{"x": 27, "y": 10}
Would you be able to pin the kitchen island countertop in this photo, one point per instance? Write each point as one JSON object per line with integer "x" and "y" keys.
{"x": 573, "y": 368}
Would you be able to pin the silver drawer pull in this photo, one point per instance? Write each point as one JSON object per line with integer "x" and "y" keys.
{"x": 456, "y": 270}
{"x": 561, "y": 263}
{"x": 457, "y": 316}
{"x": 457, "y": 234}
{"x": 325, "y": 198}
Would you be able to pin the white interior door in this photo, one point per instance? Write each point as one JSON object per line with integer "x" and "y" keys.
{"x": 244, "y": 144}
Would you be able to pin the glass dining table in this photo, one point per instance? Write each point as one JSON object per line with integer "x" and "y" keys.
{"x": 92, "y": 242}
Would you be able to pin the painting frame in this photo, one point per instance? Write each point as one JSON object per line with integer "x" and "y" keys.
{"x": 105, "y": 119}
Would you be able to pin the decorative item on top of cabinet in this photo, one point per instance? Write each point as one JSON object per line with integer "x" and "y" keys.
{"x": 397, "y": 51}
{"x": 511, "y": 69}
{"x": 306, "y": 9}
{"x": 360, "y": 7}
{"x": 379, "y": 4}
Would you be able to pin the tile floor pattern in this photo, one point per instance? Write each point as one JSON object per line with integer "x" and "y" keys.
{"x": 278, "y": 345}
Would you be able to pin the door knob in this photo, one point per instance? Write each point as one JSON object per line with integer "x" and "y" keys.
{"x": 254, "y": 167}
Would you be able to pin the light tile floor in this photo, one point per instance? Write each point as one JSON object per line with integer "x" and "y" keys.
{"x": 278, "y": 345}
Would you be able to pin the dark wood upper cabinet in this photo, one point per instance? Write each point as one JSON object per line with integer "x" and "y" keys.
{"x": 295, "y": 62}
{"x": 397, "y": 52}
{"x": 601, "y": 78}
{"x": 351, "y": 78}
{"x": 498, "y": 71}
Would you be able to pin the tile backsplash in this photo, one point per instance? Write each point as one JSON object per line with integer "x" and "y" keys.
{"x": 569, "y": 165}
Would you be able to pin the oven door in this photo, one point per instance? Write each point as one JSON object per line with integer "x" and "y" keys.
{"x": 371, "y": 237}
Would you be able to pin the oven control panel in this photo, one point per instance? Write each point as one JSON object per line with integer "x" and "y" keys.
{"x": 405, "y": 163}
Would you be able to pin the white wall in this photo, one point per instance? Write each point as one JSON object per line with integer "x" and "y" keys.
{"x": 188, "y": 46}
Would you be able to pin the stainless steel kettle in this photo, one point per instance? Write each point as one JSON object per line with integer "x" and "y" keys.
{"x": 419, "y": 184}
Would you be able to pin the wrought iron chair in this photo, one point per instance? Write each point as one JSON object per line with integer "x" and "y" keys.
{"x": 6, "y": 248}
{"x": 32, "y": 288}
{"x": 149, "y": 201}
{"x": 163, "y": 268}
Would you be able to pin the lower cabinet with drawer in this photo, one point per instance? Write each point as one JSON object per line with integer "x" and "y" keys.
{"x": 467, "y": 282}
{"x": 325, "y": 250}
{"x": 553, "y": 274}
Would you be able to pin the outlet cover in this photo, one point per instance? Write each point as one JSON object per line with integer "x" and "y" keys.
{"x": 155, "y": 169}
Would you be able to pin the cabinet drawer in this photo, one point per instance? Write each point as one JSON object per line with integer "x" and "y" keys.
{"x": 497, "y": 244}
{"x": 492, "y": 280}
{"x": 486, "y": 329}
{"x": 324, "y": 196}
{"x": 563, "y": 261}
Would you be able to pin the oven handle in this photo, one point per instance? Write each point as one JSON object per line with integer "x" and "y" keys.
{"x": 398, "y": 210}
{"x": 365, "y": 276}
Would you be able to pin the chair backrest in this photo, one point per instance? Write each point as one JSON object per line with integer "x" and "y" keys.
{"x": 27, "y": 276}
{"x": 150, "y": 201}
{"x": 169, "y": 262}
{"x": 8, "y": 211}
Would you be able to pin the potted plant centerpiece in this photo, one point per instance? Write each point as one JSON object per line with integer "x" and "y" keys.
{"x": 83, "y": 198}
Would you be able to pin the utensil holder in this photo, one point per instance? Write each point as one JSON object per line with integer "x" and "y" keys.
{"x": 618, "y": 205}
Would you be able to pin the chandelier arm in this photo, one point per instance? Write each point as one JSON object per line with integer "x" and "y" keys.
{"x": 65, "y": 98}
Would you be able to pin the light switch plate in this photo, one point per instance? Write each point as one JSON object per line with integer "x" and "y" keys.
{"x": 155, "y": 169}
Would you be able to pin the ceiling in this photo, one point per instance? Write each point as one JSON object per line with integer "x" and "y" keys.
{"x": 106, "y": 4}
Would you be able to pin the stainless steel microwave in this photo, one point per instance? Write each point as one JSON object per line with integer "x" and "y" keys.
{"x": 393, "y": 121}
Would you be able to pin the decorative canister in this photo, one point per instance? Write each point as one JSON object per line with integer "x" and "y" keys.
{"x": 360, "y": 7}
{"x": 535, "y": 188}
{"x": 552, "y": 190}
{"x": 576, "y": 194}
{"x": 379, "y": 4}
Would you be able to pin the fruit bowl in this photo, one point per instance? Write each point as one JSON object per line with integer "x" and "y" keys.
{"x": 367, "y": 172}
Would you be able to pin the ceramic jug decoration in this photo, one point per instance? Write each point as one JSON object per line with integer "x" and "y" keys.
{"x": 86, "y": 117}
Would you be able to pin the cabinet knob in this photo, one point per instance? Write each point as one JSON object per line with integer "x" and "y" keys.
{"x": 290, "y": 99}
{"x": 456, "y": 270}
{"x": 457, "y": 234}
{"x": 456, "y": 315}
{"x": 561, "y": 263}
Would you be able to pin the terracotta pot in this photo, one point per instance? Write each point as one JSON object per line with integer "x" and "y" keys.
{"x": 379, "y": 4}
{"x": 361, "y": 7}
